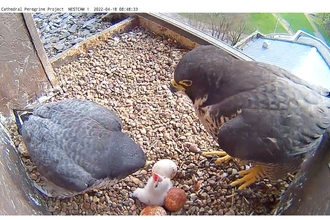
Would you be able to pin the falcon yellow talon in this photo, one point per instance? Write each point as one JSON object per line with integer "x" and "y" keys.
{"x": 224, "y": 157}
{"x": 249, "y": 176}
{"x": 244, "y": 172}
{"x": 211, "y": 153}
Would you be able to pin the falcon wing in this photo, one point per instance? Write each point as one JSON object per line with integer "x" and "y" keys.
{"x": 81, "y": 108}
{"x": 66, "y": 140}
{"x": 278, "y": 121}
{"x": 285, "y": 74}
{"x": 41, "y": 137}
{"x": 264, "y": 136}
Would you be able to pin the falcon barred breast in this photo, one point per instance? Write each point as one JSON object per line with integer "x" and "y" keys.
{"x": 257, "y": 112}
{"x": 78, "y": 145}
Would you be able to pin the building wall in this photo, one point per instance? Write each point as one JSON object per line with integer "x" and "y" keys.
{"x": 22, "y": 76}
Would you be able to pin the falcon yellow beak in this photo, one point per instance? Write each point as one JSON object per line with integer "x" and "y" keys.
{"x": 174, "y": 87}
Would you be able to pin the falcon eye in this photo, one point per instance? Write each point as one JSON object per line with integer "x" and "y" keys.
{"x": 185, "y": 82}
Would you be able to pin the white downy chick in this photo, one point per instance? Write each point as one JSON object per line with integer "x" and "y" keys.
{"x": 154, "y": 191}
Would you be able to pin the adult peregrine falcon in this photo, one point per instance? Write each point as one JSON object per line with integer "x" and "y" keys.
{"x": 258, "y": 113}
{"x": 78, "y": 145}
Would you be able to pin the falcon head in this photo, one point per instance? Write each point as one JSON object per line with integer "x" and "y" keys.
{"x": 126, "y": 157}
{"x": 196, "y": 75}
{"x": 157, "y": 179}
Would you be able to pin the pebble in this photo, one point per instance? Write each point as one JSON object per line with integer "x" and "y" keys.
{"x": 136, "y": 181}
{"x": 230, "y": 212}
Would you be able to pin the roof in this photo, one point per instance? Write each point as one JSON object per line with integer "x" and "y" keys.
{"x": 300, "y": 58}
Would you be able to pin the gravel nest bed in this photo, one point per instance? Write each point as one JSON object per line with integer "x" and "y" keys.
{"x": 130, "y": 73}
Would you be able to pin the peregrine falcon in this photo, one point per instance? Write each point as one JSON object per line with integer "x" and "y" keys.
{"x": 257, "y": 112}
{"x": 78, "y": 145}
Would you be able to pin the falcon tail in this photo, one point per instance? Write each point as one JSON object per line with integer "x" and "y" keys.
{"x": 20, "y": 119}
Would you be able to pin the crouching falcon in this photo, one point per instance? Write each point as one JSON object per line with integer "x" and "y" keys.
{"x": 258, "y": 113}
{"x": 78, "y": 146}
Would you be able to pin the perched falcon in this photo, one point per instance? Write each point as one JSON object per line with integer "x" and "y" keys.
{"x": 258, "y": 113}
{"x": 78, "y": 145}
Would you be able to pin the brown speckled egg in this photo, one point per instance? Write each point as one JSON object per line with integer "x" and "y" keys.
{"x": 175, "y": 199}
{"x": 153, "y": 210}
